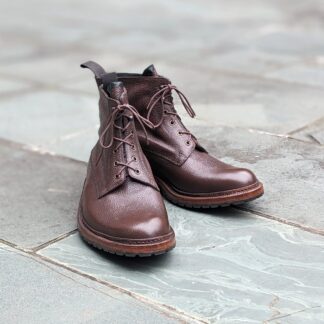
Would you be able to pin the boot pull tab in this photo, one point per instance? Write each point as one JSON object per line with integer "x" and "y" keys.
{"x": 102, "y": 77}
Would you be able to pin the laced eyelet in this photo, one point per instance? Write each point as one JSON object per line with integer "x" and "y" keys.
{"x": 134, "y": 158}
{"x": 117, "y": 176}
{"x": 179, "y": 133}
{"x": 133, "y": 147}
{"x": 188, "y": 143}
{"x": 172, "y": 122}
{"x": 115, "y": 150}
{"x": 115, "y": 163}
{"x": 137, "y": 171}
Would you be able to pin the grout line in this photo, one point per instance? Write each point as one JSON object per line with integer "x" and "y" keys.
{"x": 162, "y": 308}
{"x": 306, "y": 126}
{"x": 281, "y": 220}
{"x": 97, "y": 290}
{"x": 314, "y": 139}
{"x": 292, "y": 314}
{"x": 37, "y": 150}
{"x": 9, "y": 244}
{"x": 154, "y": 304}
{"x": 57, "y": 239}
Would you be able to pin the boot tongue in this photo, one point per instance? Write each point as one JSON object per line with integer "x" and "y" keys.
{"x": 150, "y": 71}
{"x": 117, "y": 91}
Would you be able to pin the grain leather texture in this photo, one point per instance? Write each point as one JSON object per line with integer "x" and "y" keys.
{"x": 174, "y": 153}
{"x": 121, "y": 208}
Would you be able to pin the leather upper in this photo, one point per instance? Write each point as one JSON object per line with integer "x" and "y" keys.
{"x": 108, "y": 175}
{"x": 174, "y": 153}
{"x": 120, "y": 198}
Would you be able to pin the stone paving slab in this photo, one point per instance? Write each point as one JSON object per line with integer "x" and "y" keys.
{"x": 45, "y": 117}
{"x": 292, "y": 172}
{"x": 248, "y": 61}
{"x": 39, "y": 195}
{"x": 311, "y": 75}
{"x": 312, "y": 133}
{"x": 36, "y": 292}
{"x": 7, "y": 85}
{"x": 260, "y": 104}
{"x": 228, "y": 266}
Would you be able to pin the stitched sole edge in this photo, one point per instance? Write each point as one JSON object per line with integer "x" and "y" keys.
{"x": 236, "y": 198}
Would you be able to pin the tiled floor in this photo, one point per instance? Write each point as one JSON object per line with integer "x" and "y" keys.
{"x": 254, "y": 72}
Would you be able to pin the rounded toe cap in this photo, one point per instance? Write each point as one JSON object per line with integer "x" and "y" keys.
{"x": 152, "y": 227}
{"x": 243, "y": 178}
{"x": 231, "y": 179}
{"x": 136, "y": 214}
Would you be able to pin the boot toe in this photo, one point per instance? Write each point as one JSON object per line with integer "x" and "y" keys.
{"x": 151, "y": 228}
{"x": 134, "y": 218}
{"x": 230, "y": 179}
{"x": 242, "y": 178}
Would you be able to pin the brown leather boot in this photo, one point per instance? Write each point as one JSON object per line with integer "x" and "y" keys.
{"x": 121, "y": 209}
{"x": 186, "y": 174}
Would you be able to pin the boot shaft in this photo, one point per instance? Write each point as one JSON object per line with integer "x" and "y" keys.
{"x": 118, "y": 155}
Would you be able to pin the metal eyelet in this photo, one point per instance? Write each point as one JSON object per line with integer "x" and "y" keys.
{"x": 133, "y": 147}
{"x": 134, "y": 158}
{"x": 137, "y": 171}
{"x": 172, "y": 122}
{"x": 115, "y": 163}
{"x": 117, "y": 176}
{"x": 188, "y": 143}
{"x": 179, "y": 133}
{"x": 115, "y": 151}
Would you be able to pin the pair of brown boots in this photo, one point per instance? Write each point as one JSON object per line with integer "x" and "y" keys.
{"x": 145, "y": 150}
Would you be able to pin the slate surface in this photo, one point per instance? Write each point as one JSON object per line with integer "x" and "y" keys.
{"x": 228, "y": 266}
{"x": 36, "y": 292}
{"x": 39, "y": 195}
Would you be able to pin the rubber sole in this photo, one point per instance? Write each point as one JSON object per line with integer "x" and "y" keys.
{"x": 220, "y": 199}
{"x": 141, "y": 248}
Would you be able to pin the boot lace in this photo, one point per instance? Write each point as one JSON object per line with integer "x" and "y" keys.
{"x": 111, "y": 127}
{"x": 164, "y": 97}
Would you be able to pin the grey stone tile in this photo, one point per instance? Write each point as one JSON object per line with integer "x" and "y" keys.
{"x": 248, "y": 61}
{"x": 310, "y": 75}
{"x": 77, "y": 145}
{"x": 32, "y": 291}
{"x": 300, "y": 43}
{"x": 228, "y": 266}
{"x": 312, "y": 133}
{"x": 45, "y": 117}
{"x": 292, "y": 172}
{"x": 7, "y": 85}
{"x": 263, "y": 105}
{"x": 38, "y": 194}
{"x": 63, "y": 68}
{"x": 15, "y": 51}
